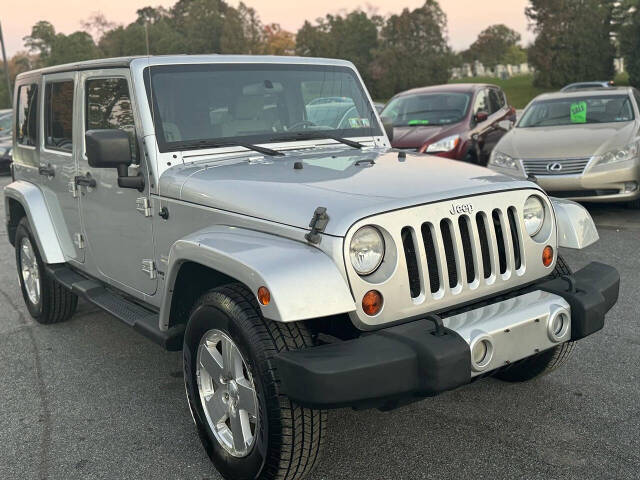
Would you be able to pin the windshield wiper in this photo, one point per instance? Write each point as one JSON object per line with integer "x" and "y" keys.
{"x": 213, "y": 144}
{"x": 317, "y": 136}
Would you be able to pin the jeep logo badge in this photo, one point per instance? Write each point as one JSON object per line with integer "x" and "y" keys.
{"x": 463, "y": 208}
{"x": 554, "y": 167}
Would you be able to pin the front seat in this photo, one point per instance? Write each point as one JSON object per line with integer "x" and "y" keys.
{"x": 247, "y": 117}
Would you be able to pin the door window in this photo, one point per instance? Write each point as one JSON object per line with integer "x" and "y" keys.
{"x": 27, "y": 115}
{"x": 58, "y": 117}
{"x": 108, "y": 106}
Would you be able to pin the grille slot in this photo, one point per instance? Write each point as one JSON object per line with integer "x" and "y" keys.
{"x": 447, "y": 243}
{"x": 465, "y": 237}
{"x": 564, "y": 166}
{"x": 515, "y": 237}
{"x": 500, "y": 240}
{"x": 432, "y": 259}
{"x": 484, "y": 244}
{"x": 412, "y": 261}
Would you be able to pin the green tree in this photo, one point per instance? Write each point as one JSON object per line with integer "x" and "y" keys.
{"x": 352, "y": 37}
{"x": 413, "y": 51}
{"x": 629, "y": 37}
{"x": 55, "y": 48}
{"x": 492, "y": 45}
{"x": 515, "y": 55}
{"x": 574, "y": 41}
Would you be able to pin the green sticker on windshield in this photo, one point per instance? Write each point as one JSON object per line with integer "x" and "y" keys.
{"x": 418, "y": 122}
{"x": 579, "y": 112}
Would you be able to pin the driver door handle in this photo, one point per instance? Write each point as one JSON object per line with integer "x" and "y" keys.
{"x": 85, "y": 180}
{"x": 47, "y": 171}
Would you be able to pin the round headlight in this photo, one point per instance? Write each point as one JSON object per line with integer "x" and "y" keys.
{"x": 533, "y": 215}
{"x": 366, "y": 250}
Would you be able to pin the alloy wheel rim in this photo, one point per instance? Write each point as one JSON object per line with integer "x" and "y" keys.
{"x": 30, "y": 271}
{"x": 227, "y": 393}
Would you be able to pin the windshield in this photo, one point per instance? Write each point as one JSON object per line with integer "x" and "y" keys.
{"x": 578, "y": 110}
{"x": 427, "y": 109}
{"x": 6, "y": 122}
{"x": 205, "y": 104}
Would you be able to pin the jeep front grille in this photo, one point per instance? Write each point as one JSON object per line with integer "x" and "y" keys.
{"x": 459, "y": 253}
{"x": 439, "y": 256}
{"x": 563, "y": 166}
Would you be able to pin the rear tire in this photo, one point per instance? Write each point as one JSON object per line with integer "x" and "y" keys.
{"x": 284, "y": 440}
{"x": 47, "y": 300}
{"x": 543, "y": 362}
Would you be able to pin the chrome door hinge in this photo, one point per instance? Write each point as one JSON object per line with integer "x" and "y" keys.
{"x": 73, "y": 188}
{"x": 149, "y": 267}
{"x": 78, "y": 239}
{"x": 143, "y": 206}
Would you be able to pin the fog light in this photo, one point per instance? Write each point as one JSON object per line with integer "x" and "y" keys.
{"x": 481, "y": 353}
{"x": 558, "y": 324}
{"x": 372, "y": 302}
{"x": 547, "y": 256}
{"x": 630, "y": 187}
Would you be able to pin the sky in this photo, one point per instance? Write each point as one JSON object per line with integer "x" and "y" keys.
{"x": 466, "y": 18}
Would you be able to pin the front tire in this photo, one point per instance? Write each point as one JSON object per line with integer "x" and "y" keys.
{"x": 278, "y": 439}
{"x": 543, "y": 362}
{"x": 47, "y": 300}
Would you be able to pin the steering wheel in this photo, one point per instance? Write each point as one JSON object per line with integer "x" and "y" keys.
{"x": 303, "y": 124}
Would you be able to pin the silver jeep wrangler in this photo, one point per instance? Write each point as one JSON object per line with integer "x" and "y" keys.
{"x": 250, "y": 212}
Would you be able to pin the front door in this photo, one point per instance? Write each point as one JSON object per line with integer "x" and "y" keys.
{"x": 59, "y": 154}
{"x": 117, "y": 229}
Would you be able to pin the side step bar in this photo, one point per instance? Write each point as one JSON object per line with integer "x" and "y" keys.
{"x": 141, "y": 319}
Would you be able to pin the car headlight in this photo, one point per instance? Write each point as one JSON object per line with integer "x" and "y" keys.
{"x": 366, "y": 250}
{"x": 502, "y": 160}
{"x": 533, "y": 215}
{"x": 619, "y": 155}
{"x": 444, "y": 145}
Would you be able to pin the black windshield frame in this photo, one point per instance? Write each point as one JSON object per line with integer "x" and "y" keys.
{"x": 268, "y": 137}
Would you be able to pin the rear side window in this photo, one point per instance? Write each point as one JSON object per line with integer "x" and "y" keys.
{"x": 496, "y": 99}
{"x": 27, "y": 115}
{"x": 108, "y": 106}
{"x": 482, "y": 102}
{"x": 58, "y": 116}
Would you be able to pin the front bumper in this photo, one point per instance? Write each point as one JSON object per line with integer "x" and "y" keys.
{"x": 410, "y": 361}
{"x": 606, "y": 183}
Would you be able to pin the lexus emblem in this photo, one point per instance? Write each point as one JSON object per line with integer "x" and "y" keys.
{"x": 554, "y": 167}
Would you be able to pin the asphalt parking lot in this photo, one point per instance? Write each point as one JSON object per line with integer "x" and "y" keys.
{"x": 91, "y": 399}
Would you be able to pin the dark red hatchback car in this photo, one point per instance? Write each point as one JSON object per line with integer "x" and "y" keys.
{"x": 460, "y": 121}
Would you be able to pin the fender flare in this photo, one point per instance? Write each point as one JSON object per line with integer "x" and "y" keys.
{"x": 576, "y": 228}
{"x": 30, "y": 197}
{"x": 304, "y": 281}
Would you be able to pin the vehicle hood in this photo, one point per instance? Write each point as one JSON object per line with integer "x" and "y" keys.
{"x": 416, "y": 136}
{"x": 351, "y": 184}
{"x": 571, "y": 141}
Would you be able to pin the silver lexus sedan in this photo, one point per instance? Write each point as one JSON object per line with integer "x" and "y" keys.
{"x": 582, "y": 145}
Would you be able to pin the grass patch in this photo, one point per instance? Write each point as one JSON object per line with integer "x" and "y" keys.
{"x": 519, "y": 89}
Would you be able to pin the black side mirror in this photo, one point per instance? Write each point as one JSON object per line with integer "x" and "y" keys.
{"x": 110, "y": 149}
{"x": 387, "y": 123}
{"x": 481, "y": 116}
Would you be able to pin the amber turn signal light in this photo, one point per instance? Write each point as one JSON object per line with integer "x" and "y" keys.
{"x": 547, "y": 256}
{"x": 372, "y": 302}
{"x": 264, "y": 296}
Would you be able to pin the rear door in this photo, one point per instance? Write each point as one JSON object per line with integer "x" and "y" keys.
{"x": 499, "y": 114}
{"x": 117, "y": 226}
{"x": 59, "y": 160}
{"x": 482, "y": 129}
